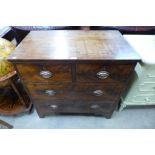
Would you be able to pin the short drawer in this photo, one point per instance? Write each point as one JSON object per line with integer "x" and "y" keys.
{"x": 86, "y": 92}
{"x": 45, "y": 73}
{"x": 103, "y": 73}
{"x": 147, "y": 79}
{"x": 147, "y": 87}
{"x": 144, "y": 99}
{"x": 74, "y": 107}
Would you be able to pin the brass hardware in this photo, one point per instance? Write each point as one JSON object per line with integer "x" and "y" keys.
{"x": 94, "y": 106}
{"x": 102, "y": 74}
{"x": 54, "y": 106}
{"x": 46, "y": 74}
{"x": 50, "y": 92}
{"x": 98, "y": 92}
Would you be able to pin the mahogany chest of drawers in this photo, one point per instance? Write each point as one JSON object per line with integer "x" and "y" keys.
{"x": 75, "y": 72}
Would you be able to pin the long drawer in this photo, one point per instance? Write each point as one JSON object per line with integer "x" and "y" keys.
{"x": 87, "y": 92}
{"x": 45, "y": 72}
{"x": 103, "y": 73}
{"x": 147, "y": 98}
{"x": 147, "y": 87}
{"x": 74, "y": 107}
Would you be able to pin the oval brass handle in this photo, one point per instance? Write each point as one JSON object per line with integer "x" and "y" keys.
{"x": 103, "y": 74}
{"x": 54, "y": 106}
{"x": 94, "y": 106}
{"x": 98, "y": 93}
{"x": 50, "y": 92}
{"x": 46, "y": 74}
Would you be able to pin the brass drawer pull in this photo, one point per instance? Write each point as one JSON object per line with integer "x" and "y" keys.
{"x": 54, "y": 106}
{"x": 50, "y": 92}
{"x": 46, "y": 74}
{"x": 102, "y": 74}
{"x": 94, "y": 106}
{"x": 98, "y": 93}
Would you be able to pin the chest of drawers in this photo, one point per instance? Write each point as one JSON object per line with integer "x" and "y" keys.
{"x": 75, "y": 72}
{"x": 142, "y": 91}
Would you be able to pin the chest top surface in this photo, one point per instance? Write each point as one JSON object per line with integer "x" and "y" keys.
{"x": 74, "y": 45}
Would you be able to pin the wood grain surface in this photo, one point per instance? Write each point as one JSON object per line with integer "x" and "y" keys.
{"x": 79, "y": 107}
{"x": 74, "y": 45}
{"x": 31, "y": 72}
{"x": 75, "y": 91}
{"x": 75, "y": 59}
{"x": 117, "y": 73}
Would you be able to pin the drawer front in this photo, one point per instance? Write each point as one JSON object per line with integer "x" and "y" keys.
{"x": 103, "y": 73}
{"x": 86, "y": 92}
{"x": 144, "y": 98}
{"x": 147, "y": 79}
{"x": 147, "y": 87}
{"x": 76, "y": 107}
{"x": 45, "y": 73}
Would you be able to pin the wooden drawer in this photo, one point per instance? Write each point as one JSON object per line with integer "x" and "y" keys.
{"x": 103, "y": 73}
{"x": 143, "y": 98}
{"x": 73, "y": 107}
{"x": 147, "y": 87}
{"x": 86, "y": 92}
{"x": 45, "y": 73}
